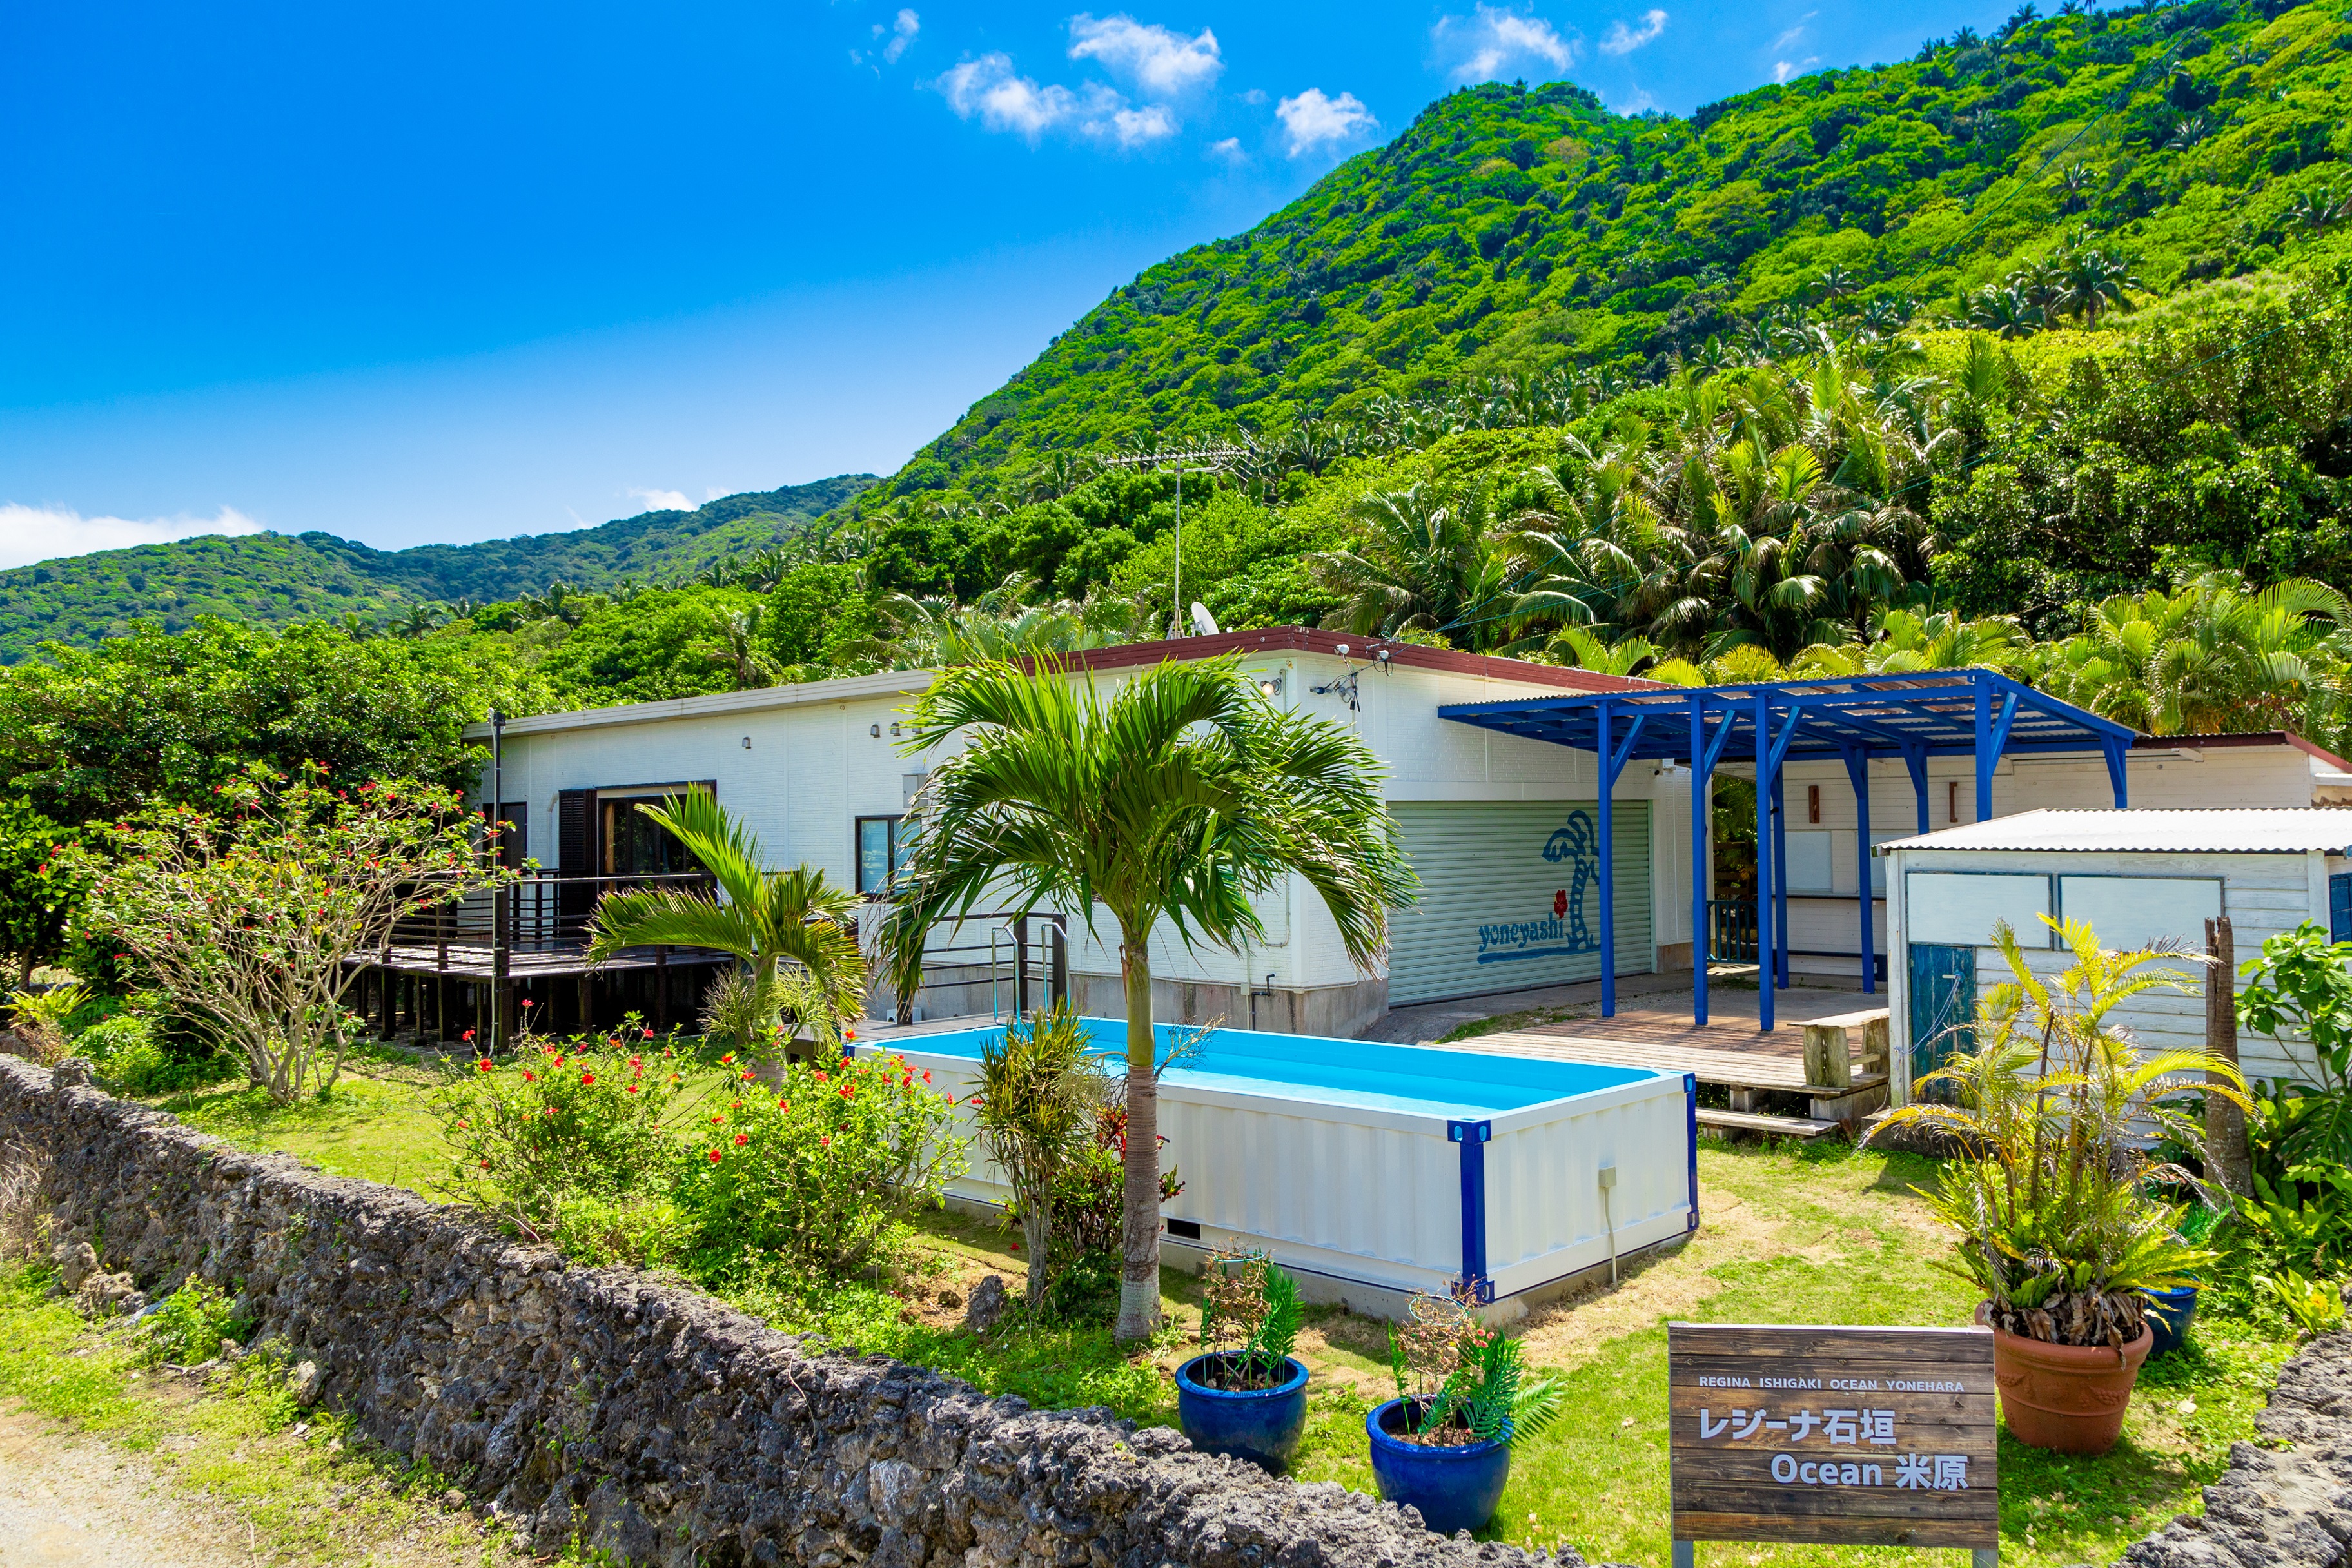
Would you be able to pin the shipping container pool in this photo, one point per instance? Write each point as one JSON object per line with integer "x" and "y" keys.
{"x": 1372, "y": 1169}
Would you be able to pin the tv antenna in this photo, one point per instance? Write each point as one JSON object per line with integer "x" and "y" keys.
{"x": 1187, "y": 461}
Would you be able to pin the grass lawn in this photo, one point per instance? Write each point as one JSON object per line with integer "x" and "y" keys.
{"x": 1789, "y": 1233}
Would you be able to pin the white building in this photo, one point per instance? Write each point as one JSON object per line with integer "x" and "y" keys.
{"x": 1498, "y": 828}
{"x": 2139, "y": 878}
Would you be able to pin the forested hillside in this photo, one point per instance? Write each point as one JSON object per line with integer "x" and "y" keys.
{"x": 273, "y": 578}
{"x": 2034, "y": 352}
{"x": 1513, "y": 230}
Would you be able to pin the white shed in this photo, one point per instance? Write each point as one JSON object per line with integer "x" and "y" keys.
{"x": 2137, "y": 877}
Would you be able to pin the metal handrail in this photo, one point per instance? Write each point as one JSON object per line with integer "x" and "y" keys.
{"x": 536, "y": 913}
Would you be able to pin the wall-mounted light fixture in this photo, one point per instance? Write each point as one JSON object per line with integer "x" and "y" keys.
{"x": 874, "y": 730}
{"x": 746, "y": 743}
{"x": 1270, "y": 688}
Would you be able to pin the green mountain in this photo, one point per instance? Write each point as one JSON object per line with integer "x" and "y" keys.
{"x": 1514, "y": 229}
{"x": 274, "y": 578}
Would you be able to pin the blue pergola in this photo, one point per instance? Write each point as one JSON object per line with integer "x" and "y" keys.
{"x": 1936, "y": 714}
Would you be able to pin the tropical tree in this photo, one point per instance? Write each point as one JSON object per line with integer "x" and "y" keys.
{"x": 251, "y": 916}
{"x": 2092, "y": 281}
{"x": 1178, "y": 796}
{"x": 1429, "y": 559}
{"x": 2207, "y": 658}
{"x": 739, "y": 652}
{"x": 789, "y": 926}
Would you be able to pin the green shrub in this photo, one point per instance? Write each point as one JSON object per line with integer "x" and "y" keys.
{"x": 188, "y": 1327}
{"x": 561, "y": 1122}
{"x": 820, "y": 1172}
{"x": 648, "y": 1231}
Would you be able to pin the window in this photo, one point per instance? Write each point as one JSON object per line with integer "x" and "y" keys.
{"x": 1812, "y": 802}
{"x": 1808, "y": 870}
{"x": 2340, "y": 906}
{"x": 881, "y": 853}
{"x": 2135, "y": 911}
{"x": 636, "y": 845}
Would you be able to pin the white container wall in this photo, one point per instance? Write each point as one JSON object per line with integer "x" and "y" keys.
{"x": 1395, "y": 1166}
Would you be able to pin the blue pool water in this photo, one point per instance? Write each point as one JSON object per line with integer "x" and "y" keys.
{"x": 1341, "y": 1072}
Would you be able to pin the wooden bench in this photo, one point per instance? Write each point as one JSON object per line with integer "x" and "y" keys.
{"x": 1765, "y": 1121}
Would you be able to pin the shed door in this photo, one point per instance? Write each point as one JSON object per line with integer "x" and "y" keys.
{"x": 1511, "y": 897}
{"x": 1943, "y": 1004}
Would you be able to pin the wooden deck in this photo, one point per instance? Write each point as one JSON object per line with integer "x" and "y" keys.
{"x": 1730, "y": 1049}
{"x": 461, "y": 961}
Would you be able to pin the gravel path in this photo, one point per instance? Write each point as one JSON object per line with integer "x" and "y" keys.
{"x": 69, "y": 1501}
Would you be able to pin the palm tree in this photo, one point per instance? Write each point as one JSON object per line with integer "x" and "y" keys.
{"x": 1177, "y": 797}
{"x": 2094, "y": 280}
{"x": 417, "y": 620}
{"x": 2006, "y": 310}
{"x": 794, "y": 921}
{"x": 750, "y": 665}
{"x": 1428, "y": 562}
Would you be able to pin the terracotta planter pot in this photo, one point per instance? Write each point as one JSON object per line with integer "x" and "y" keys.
{"x": 2069, "y": 1399}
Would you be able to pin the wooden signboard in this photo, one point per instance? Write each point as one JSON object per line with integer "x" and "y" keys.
{"x": 1856, "y": 1437}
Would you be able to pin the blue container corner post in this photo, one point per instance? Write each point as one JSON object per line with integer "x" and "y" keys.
{"x": 1454, "y": 1488}
{"x": 1260, "y": 1424}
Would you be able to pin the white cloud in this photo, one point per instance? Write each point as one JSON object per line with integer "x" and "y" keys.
{"x": 988, "y": 87}
{"x": 1312, "y": 121}
{"x": 1483, "y": 45}
{"x": 1130, "y": 128}
{"x": 1783, "y": 71}
{"x": 1640, "y": 102}
{"x": 902, "y": 32}
{"x": 1793, "y": 35}
{"x": 1229, "y": 150}
{"x": 1159, "y": 62}
{"x": 1622, "y": 40}
{"x": 661, "y": 500}
{"x": 30, "y": 533}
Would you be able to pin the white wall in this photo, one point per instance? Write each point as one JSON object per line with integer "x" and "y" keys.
{"x": 2262, "y": 894}
{"x": 815, "y": 765}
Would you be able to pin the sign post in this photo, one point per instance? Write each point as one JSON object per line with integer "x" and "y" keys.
{"x": 1833, "y": 1436}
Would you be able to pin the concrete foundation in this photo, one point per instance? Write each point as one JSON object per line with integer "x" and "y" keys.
{"x": 1336, "y": 1011}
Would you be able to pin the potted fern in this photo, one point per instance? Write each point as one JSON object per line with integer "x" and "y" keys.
{"x": 1464, "y": 1399}
{"x": 2053, "y": 1195}
{"x": 1249, "y": 1400}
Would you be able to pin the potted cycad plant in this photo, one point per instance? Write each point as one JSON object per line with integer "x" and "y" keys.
{"x": 1249, "y": 1400}
{"x": 2051, "y": 1193}
{"x": 1464, "y": 1398}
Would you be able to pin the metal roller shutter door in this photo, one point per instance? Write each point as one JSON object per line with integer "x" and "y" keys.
{"x": 1497, "y": 914}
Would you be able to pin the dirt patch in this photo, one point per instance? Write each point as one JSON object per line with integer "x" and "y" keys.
{"x": 78, "y": 1503}
{"x": 1657, "y": 1288}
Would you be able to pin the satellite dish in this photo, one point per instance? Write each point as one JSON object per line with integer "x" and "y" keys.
{"x": 1204, "y": 623}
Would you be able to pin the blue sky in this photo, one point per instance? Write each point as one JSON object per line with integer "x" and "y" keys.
{"x": 453, "y": 272}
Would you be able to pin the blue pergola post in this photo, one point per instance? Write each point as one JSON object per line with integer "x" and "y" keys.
{"x": 1857, "y": 768}
{"x": 1702, "y": 932}
{"x": 1605, "y": 761}
{"x": 1767, "y": 962}
{"x": 1915, "y": 758}
{"x": 2115, "y": 750}
{"x": 1780, "y": 878}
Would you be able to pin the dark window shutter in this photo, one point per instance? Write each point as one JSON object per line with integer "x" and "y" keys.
{"x": 575, "y": 856}
{"x": 2340, "y": 908}
{"x": 575, "y": 833}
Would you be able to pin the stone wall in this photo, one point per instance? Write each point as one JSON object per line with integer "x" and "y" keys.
{"x": 2284, "y": 1506}
{"x": 657, "y": 1424}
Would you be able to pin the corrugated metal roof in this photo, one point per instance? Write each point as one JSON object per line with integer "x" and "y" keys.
{"x": 2287, "y": 831}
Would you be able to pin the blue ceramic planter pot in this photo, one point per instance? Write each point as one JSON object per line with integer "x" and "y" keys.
{"x": 2169, "y": 1313}
{"x": 1455, "y": 1489}
{"x": 1260, "y": 1424}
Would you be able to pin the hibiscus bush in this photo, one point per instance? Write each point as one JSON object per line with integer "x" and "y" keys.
{"x": 566, "y": 1123}
{"x": 820, "y": 1173}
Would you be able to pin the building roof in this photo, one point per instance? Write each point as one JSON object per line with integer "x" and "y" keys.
{"x": 1928, "y": 714}
{"x": 1123, "y": 655}
{"x": 2282, "y": 831}
{"x": 1363, "y": 649}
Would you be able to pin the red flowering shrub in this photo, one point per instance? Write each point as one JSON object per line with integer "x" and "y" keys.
{"x": 820, "y": 1182}
{"x": 526, "y": 1139}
